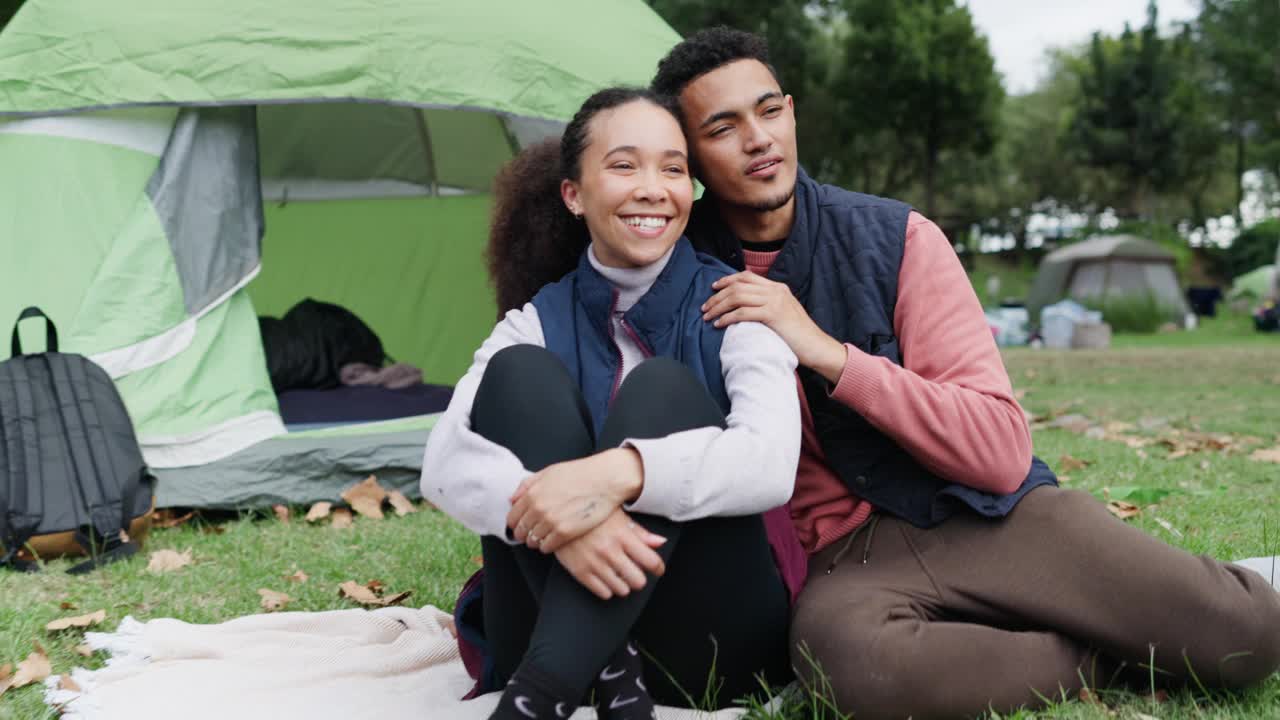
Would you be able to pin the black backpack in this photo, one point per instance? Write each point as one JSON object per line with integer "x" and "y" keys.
{"x": 69, "y": 458}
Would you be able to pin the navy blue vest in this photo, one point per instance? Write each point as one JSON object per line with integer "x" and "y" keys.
{"x": 841, "y": 261}
{"x": 666, "y": 321}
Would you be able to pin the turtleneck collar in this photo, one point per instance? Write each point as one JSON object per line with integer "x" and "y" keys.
{"x": 631, "y": 283}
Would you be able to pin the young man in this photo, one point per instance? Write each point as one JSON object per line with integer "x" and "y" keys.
{"x": 949, "y": 574}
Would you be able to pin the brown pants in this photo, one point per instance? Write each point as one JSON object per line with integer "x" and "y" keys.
{"x": 978, "y": 614}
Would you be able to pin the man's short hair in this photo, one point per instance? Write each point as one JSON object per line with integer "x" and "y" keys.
{"x": 704, "y": 51}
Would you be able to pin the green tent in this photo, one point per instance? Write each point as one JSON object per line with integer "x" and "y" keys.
{"x": 1107, "y": 266}
{"x": 170, "y": 169}
{"x": 1258, "y": 284}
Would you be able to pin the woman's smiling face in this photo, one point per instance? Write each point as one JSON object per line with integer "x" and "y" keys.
{"x": 634, "y": 189}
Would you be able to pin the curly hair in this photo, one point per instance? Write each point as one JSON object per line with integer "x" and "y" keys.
{"x": 533, "y": 238}
{"x": 704, "y": 51}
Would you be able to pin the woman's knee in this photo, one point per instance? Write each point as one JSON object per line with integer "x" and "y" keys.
{"x": 659, "y": 397}
{"x": 1247, "y": 635}
{"x": 528, "y": 403}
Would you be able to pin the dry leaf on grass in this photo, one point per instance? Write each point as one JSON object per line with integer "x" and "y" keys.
{"x": 341, "y": 519}
{"x": 64, "y": 605}
{"x": 66, "y": 683}
{"x": 32, "y": 670}
{"x": 1270, "y": 455}
{"x": 1066, "y": 463}
{"x": 80, "y": 621}
{"x": 369, "y": 594}
{"x": 272, "y": 600}
{"x": 162, "y": 561}
{"x": 1122, "y": 509}
{"x": 84, "y": 651}
{"x": 298, "y": 577}
{"x": 319, "y": 511}
{"x": 401, "y": 503}
{"x": 1117, "y": 428}
{"x": 366, "y": 497}
{"x": 282, "y": 513}
{"x": 166, "y": 518}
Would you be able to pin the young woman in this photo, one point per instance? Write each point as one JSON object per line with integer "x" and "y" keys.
{"x": 617, "y": 453}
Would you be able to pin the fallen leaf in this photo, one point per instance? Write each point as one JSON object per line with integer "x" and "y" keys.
{"x": 1066, "y": 463}
{"x": 272, "y": 600}
{"x": 477, "y": 560}
{"x": 397, "y": 598}
{"x": 80, "y": 621}
{"x": 1271, "y": 455}
{"x": 298, "y": 577}
{"x": 282, "y": 513}
{"x": 1122, "y": 509}
{"x": 1118, "y": 427}
{"x": 368, "y": 594}
{"x": 341, "y": 519}
{"x": 84, "y": 651}
{"x": 361, "y": 594}
{"x": 66, "y": 683}
{"x": 168, "y": 519}
{"x": 401, "y": 503}
{"x": 32, "y": 670}
{"x": 1064, "y": 479}
{"x": 1090, "y": 697}
{"x": 168, "y": 560}
{"x": 1073, "y": 422}
{"x": 64, "y": 605}
{"x": 366, "y": 497}
{"x": 319, "y": 511}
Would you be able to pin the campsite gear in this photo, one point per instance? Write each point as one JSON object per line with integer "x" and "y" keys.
{"x": 1059, "y": 320}
{"x": 721, "y": 577}
{"x": 392, "y": 377}
{"x": 1108, "y": 266}
{"x": 1204, "y": 300}
{"x": 72, "y": 477}
{"x": 354, "y": 170}
{"x": 308, "y": 347}
{"x": 1091, "y": 336}
{"x": 1257, "y": 284}
{"x": 1009, "y": 325}
{"x": 1266, "y": 318}
{"x": 841, "y": 261}
{"x": 396, "y": 662}
{"x": 1037, "y": 592}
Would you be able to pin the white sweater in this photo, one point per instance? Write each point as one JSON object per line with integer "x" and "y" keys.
{"x": 747, "y": 468}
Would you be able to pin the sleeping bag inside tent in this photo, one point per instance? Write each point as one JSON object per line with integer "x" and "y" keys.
{"x": 168, "y": 189}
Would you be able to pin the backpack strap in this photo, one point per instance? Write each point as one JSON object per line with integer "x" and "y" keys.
{"x": 51, "y": 332}
{"x": 111, "y": 547}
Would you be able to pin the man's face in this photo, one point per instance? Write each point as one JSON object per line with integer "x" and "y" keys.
{"x": 742, "y": 133}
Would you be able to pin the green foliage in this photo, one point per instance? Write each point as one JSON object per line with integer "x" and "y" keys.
{"x": 1251, "y": 248}
{"x": 917, "y": 74}
{"x": 1134, "y": 312}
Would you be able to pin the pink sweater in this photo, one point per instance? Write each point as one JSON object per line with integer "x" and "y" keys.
{"x": 950, "y": 405}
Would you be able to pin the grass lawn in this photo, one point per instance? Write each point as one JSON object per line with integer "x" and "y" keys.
{"x": 1224, "y": 380}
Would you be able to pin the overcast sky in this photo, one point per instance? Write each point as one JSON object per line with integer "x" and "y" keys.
{"x": 1020, "y": 30}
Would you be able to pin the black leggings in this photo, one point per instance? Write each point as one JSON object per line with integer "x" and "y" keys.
{"x": 720, "y": 607}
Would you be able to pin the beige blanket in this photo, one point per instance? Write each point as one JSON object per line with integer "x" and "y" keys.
{"x": 337, "y": 665}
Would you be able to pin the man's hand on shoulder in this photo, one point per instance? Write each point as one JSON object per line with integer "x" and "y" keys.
{"x": 747, "y": 296}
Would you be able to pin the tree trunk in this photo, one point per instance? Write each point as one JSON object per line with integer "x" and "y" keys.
{"x": 1240, "y": 161}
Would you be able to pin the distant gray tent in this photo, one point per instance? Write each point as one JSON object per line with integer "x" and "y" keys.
{"x": 1107, "y": 266}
